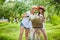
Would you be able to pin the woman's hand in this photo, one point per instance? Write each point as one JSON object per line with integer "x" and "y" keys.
{"x": 24, "y": 15}
{"x": 44, "y": 19}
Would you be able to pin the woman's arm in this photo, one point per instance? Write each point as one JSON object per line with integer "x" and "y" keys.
{"x": 44, "y": 18}
{"x": 24, "y": 15}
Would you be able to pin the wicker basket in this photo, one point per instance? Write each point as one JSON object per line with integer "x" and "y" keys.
{"x": 37, "y": 23}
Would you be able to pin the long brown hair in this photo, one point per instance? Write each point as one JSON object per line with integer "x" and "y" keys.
{"x": 42, "y": 13}
{"x": 41, "y": 8}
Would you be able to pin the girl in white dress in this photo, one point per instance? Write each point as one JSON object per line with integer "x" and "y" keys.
{"x": 26, "y": 23}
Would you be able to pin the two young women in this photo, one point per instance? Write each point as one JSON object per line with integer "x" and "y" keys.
{"x": 27, "y": 24}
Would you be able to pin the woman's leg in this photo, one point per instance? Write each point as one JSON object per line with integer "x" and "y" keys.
{"x": 27, "y": 31}
{"x": 31, "y": 34}
{"x": 38, "y": 34}
{"x": 21, "y": 32}
{"x": 44, "y": 33}
{"x": 34, "y": 34}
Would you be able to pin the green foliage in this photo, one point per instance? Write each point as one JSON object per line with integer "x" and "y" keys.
{"x": 2, "y": 1}
{"x": 16, "y": 9}
{"x": 12, "y": 9}
{"x": 55, "y": 19}
{"x": 1, "y": 24}
{"x": 11, "y": 32}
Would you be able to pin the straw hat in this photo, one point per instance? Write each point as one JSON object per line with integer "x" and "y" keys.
{"x": 41, "y": 7}
{"x": 34, "y": 7}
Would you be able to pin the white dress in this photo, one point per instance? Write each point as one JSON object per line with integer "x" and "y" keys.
{"x": 26, "y": 22}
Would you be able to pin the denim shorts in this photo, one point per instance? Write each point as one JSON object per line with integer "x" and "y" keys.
{"x": 21, "y": 24}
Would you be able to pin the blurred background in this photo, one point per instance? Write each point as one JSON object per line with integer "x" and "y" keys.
{"x": 11, "y": 15}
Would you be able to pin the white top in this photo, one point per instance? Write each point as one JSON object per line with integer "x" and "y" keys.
{"x": 32, "y": 16}
{"x": 26, "y": 22}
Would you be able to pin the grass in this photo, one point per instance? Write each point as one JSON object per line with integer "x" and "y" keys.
{"x": 11, "y": 31}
